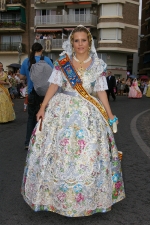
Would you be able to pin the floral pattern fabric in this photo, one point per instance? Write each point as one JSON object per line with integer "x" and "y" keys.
{"x": 6, "y": 108}
{"x": 72, "y": 166}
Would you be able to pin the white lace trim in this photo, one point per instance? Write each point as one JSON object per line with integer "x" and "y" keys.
{"x": 56, "y": 77}
{"x": 101, "y": 84}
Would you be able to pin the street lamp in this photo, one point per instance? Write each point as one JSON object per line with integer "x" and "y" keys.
{"x": 19, "y": 53}
{"x": 141, "y": 35}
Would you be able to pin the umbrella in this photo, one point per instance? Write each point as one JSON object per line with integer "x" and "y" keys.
{"x": 144, "y": 77}
{"x": 15, "y": 65}
{"x": 133, "y": 76}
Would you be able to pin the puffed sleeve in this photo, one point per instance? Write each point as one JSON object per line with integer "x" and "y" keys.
{"x": 56, "y": 76}
{"x": 101, "y": 82}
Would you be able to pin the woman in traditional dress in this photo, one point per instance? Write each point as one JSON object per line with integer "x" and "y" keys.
{"x": 72, "y": 166}
{"x": 6, "y": 106}
{"x": 148, "y": 90}
{"x": 135, "y": 91}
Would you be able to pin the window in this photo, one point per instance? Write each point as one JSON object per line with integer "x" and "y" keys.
{"x": 111, "y": 10}
{"x": 16, "y": 16}
{"x": 44, "y": 12}
{"x": 13, "y": 39}
{"x": 80, "y": 11}
{"x": 10, "y": 42}
{"x": 81, "y": 15}
{"x": 110, "y": 34}
{"x": 45, "y": 16}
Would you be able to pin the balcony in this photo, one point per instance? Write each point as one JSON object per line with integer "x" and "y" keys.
{"x": 11, "y": 48}
{"x": 60, "y": 1}
{"x": 11, "y": 26}
{"x": 57, "y": 43}
{"x": 16, "y": 2}
{"x": 65, "y": 20}
{"x": 54, "y": 44}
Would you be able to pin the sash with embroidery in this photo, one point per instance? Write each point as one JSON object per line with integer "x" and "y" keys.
{"x": 76, "y": 83}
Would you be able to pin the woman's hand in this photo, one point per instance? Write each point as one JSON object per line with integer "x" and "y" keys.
{"x": 40, "y": 114}
{"x": 113, "y": 119}
{"x": 103, "y": 97}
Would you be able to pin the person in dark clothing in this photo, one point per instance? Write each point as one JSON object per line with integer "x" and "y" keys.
{"x": 111, "y": 82}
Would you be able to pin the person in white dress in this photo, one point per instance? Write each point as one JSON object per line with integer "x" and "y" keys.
{"x": 72, "y": 166}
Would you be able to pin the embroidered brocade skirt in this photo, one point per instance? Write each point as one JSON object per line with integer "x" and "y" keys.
{"x": 72, "y": 166}
{"x": 6, "y": 109}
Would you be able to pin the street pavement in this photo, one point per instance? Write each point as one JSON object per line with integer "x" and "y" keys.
{"x": 133, "y": 131}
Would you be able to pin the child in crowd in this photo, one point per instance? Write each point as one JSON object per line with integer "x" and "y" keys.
{"x": 24, "y": 94}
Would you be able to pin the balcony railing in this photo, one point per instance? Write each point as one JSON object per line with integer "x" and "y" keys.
{"x": 11, "y": 47}
{"x": 58, "y": 1}
{"x": 9, "y": 23}
{"x": 23, "y": 2}
{"x": 55, "y": 44}
{"x": 85, "y": 19}
{"x": 2, "y": 5}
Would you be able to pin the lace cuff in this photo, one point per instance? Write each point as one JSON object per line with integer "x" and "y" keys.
{"x": 56, "y": 77}
{"x": 100, "y": 84}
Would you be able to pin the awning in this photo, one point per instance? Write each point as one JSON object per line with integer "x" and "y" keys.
{"x": 72, "y": 28}
{"x": 47, "y": 30}
{"x": 23, "y": 13}
{"x": 13, "y": 8}
{"x": 79, "y": 3}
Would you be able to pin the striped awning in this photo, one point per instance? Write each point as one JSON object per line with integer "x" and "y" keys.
{"x": 72, "y": 28}
{"x": 47, "y": 30}
{"x": 79, "y": 3}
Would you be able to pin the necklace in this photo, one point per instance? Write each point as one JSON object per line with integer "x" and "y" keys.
{"x": 81, "y": 70}
{"x": 85, "y": 61}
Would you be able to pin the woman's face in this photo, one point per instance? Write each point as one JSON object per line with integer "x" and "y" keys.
{"x": 80, "y": 43}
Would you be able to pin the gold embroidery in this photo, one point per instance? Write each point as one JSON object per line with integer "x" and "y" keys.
{"x": 85, "y": 95}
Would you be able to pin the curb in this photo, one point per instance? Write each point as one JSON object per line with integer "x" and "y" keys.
{"x": 137, "y": 136}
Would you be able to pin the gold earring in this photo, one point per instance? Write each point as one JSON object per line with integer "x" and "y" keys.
{"x": 73, "y": 52}
{"x": 89, "y": 49}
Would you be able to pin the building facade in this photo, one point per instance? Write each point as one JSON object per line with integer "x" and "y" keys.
{"x": 113, "y": 24}
{"x": 144, "y": 51}
{"x": 13, "y": 31}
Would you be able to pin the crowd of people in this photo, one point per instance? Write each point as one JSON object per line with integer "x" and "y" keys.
{"x": 40, "y": 37}
{"x": 73, "y": 166}
{"x": 131, "y": 87}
